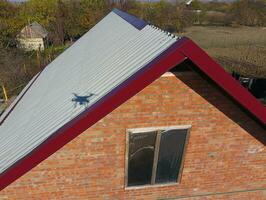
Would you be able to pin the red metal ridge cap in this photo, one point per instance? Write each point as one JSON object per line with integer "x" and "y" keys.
{"x": 214, "y": 71}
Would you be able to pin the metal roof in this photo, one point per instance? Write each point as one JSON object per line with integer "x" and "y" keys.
{"x": 101, "y": 60}
{"x": 33, "y": 30}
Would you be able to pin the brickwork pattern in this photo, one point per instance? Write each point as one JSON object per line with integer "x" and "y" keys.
{"x": 224, "y": 160}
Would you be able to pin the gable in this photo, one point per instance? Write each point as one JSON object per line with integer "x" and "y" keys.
{"x": 169, "y": 101}
{"x": 217, "y": 74}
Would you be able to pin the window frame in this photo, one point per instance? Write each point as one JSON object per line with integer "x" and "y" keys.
{"x": 158, "y": 131}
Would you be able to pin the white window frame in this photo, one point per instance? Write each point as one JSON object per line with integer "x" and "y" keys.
{"x": 156, "y": 153}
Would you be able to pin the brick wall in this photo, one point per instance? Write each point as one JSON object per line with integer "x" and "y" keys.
{"x": 225, "y": 158}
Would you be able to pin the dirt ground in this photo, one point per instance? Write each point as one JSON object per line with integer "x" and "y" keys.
{"x": 240, "y": 49}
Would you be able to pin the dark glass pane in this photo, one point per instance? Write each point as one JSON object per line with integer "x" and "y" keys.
{"x": 140, "y": 158}
{"x": 170, "y": 155}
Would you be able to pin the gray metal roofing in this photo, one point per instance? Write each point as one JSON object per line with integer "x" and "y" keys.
{"x": 16, "y": 100}
{"x": 101, "y": 60}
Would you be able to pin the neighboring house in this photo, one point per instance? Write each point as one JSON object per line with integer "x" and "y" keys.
{"x": 132, "y": 112}
{"x": 33, "y": 37}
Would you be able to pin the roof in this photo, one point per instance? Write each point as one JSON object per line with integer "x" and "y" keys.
{"x": 33, "y": 30}
{"x": 94, "y": 76}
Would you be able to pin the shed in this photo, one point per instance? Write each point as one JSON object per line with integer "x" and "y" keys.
{"x": 33, "y": 37}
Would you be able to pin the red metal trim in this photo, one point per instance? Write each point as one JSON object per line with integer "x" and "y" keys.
{"x": 140, "y": 80}
{"x": 213, "y": 70}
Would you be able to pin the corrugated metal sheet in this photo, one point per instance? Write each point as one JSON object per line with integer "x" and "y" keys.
{"x": 101, "y": 60}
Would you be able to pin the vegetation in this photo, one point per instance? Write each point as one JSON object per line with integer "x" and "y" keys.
{"x": 239, "y": 49}
{"x": 249, "y": 13}
{"x": 67, "y": 20}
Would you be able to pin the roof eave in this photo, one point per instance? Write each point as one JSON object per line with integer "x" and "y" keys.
{"x": 231, "y": 86}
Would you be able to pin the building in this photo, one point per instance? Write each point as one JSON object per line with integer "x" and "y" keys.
{"x": 33, "y": 37}
{"x": 133, "y": 113}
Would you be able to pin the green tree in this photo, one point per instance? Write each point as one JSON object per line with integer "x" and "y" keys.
{"x": 73, "y": 26}
{"x": 90, "y": 13}
{"x": 166, "y": 15}
{"x": 9, "y": 23}
{"x": 249, "y": 12}
{"x": 59, "y": 25}
{"x": 42, "y": 11}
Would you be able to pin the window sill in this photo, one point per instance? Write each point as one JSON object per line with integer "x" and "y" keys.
{"x": 151, "y": 186}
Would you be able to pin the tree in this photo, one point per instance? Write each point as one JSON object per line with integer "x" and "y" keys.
{"x": 249, "y": 12}
{"x": 73, "y": 26}
{"x": 59, "y": 24}
{"x": 9, "y": 23}
{"x": 42, "y": 11}
{"x": 166, "y": 15}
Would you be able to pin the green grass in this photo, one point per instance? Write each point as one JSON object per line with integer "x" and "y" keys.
{"x": 241, "y": 49}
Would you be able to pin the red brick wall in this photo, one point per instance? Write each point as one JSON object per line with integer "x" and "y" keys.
{"x": 224, "y": 159}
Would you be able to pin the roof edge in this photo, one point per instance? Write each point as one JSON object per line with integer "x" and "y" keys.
{"x": 225, "y": 81}
{"x": 12, "y": 106}
{"x": 134, "y": 21}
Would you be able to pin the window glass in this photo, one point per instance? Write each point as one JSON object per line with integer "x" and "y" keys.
{"x": 170, "y": 155}
{"x": 155, "y": 157}
{"x": 140, "y": 159}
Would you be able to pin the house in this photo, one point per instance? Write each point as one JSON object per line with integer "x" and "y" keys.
{"x": 133, "y": 113}
{"x": 33, "y": 37}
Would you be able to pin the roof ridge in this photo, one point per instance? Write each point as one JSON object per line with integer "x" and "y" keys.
{"x": 133, "y": 20}
{"x": 165, "y": 32}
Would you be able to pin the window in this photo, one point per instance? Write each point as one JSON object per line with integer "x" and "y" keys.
{"x": 155, "y": 156}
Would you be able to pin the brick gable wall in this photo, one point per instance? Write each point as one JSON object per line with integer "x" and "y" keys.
{"x": 225, "y": 158}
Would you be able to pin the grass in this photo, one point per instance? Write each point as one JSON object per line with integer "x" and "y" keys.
{"x": 240, "y": 49}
